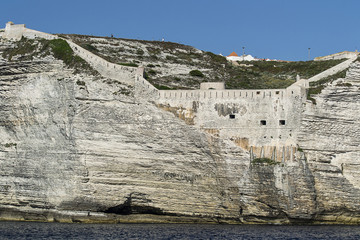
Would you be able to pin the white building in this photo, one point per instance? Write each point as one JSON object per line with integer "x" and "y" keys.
{"x": 234, "y": 57}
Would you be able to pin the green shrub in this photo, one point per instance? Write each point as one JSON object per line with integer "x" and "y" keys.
{"x": 23, "y": 47}
{"x": 140, "y": 52}
{"x": 62, "y": 50}
{"x": 266, "y": 161}
{"x": 162, "y": 87}
{"x": 344, "y": 84}
{"x": 129, "y": 64}
{"x": 80, "y": 83}
{"x": 7, "y": 145}
{"x": 216, "y": 58}
{"x": 152, "y": 72}
{"x": 196, "y": 73}
{"x": 90, "y": 47}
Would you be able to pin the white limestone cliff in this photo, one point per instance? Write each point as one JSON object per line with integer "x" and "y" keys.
{"x": 82, "y": 148}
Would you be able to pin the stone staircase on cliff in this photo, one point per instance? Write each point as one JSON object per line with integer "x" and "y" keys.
{"x": 331, "y": 71}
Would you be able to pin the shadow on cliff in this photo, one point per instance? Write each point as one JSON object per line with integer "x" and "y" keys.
{"x": 136, "y": 203}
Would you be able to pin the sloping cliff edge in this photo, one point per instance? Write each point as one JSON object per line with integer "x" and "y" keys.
{"x": 79, "y": 148}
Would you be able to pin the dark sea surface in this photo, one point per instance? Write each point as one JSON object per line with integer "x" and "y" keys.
{"x": 33, "y": 230}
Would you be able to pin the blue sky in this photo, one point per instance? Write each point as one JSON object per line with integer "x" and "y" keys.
{"x": 277, "y": 29}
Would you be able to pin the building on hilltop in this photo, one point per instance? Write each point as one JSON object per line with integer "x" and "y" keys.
{"x": 234, "y": 57}
{"x": 15, "y": 32}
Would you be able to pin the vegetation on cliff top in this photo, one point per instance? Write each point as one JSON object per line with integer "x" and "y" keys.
{"x": 29, "y": 49}
{"x": 173, "y": 65}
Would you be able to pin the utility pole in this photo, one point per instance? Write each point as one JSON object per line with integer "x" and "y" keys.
{"x": 308, "y": 54}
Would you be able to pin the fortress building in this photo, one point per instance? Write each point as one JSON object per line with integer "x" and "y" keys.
{"x": 264, "y": 122}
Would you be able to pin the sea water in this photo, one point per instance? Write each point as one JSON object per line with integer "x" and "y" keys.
{"x": 34, "y": 230}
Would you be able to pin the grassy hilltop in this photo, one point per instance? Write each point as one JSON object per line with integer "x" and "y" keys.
{"x": 174, "y": 66}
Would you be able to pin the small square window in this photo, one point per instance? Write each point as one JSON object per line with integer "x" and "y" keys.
{"x": 281, "y": 122}
{"x": 232, "y": 116}
{"x": 263, "y": 122}
{"x": 258, "y": 92}
{"x": 277, "y": 92}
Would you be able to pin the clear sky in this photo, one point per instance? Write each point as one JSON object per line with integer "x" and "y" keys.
{"x": 277, "y": 29}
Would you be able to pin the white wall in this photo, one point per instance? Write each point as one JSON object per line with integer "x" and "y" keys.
{"x": 13, "y": 31}
{"x": 123, "y": 74}
{"x": 335, "y": 56}
{"x": 211, "y": 109}
{"x": 331, "y": 71}
{"x": 213, "y": 85}
{"x": 32, "y": 34}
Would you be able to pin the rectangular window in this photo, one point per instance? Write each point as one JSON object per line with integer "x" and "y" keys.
{"x": 232, "y": 116}
{"x": 281, "y": 122}
{"x": 263, "y": 122}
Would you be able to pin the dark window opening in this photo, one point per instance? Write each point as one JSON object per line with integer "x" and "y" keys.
{"x": 262, "y": 122}
{"x": 258, "y": 92}
{"x": 232, "y": 116}
{"x": 277, "y": 92}
{"x": 282, "y": 122}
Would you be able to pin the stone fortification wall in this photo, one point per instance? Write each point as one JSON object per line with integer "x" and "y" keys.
{"x": 331, "y": 71}
{"x": 13, "y": 31}
{"x": 29, "y": 33}
{"x": 340, "y": 55}
{"x": 17, "y": 31}
{"x": 123, "y": 74}
{"x": 143, "y": 89}
{"x": 265, "y": 121}
{"x": 212, "y": 85}
{"x": 107, "y": 69}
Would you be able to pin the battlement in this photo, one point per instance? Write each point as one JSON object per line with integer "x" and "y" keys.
{"x": 340, "y": 55}
{"x": 264, "y": 122}
{"x": 220, "y": 94}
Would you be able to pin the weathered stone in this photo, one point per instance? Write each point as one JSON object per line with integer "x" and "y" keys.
{"x": 78, "y": 148}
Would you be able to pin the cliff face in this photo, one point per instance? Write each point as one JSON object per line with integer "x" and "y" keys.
{"x": 330, "y": 137}
{"x": 74, "y": 147}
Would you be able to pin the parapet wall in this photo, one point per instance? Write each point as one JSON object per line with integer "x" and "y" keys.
{"x": 199, "y": 95}
{"x": 335, "y": 56}
{"x": 212, "y": 85}
{"x": 32, "y": 34}
{"x": 265, "y": 120}
{"x": 123, "y": 74}
{"x": 107, "y": 69}
{"x": 331, "y": 71}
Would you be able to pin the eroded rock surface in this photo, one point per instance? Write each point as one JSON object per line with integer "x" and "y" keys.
{"x": 74, "y": 147}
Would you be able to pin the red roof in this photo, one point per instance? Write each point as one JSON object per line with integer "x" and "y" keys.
{"x": 233, "y": 54}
